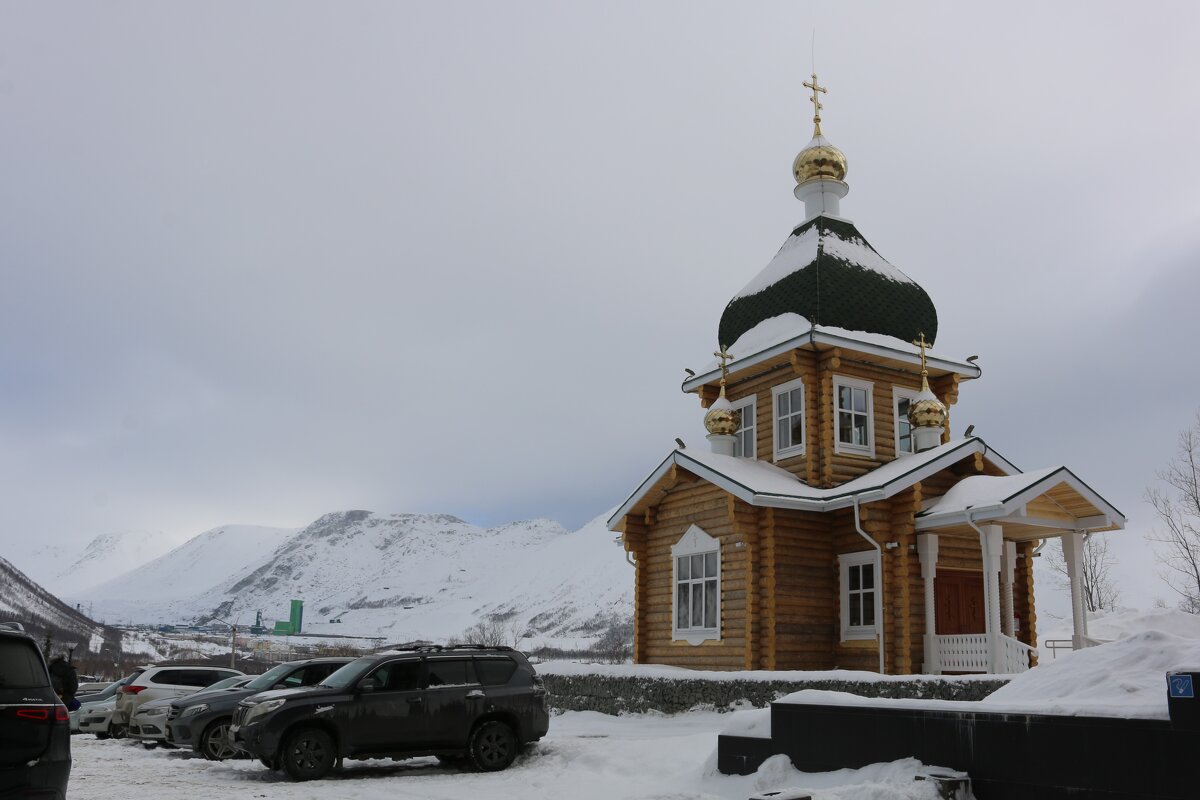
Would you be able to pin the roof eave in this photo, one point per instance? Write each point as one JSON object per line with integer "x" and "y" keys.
{"x": 965, "y": 369}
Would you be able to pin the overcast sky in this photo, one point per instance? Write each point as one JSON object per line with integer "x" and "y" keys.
{"x": 264, "y": 261}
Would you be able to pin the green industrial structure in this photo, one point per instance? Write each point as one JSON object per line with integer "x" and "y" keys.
{"x": 294, "y": 623}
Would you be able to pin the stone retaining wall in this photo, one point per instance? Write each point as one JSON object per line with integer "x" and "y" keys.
{"x": 632, "y": 694}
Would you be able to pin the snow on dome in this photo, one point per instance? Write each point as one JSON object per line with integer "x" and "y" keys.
{"x": 796, "y": 254}
{"x": 829, "y": 274}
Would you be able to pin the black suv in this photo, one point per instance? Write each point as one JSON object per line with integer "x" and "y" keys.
{"x": 35, "y": 731}
{"x": 469, "y": 703}
{"x": 202, "y": 720}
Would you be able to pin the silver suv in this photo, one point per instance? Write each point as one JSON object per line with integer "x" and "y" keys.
{"x": 164, "y": 682}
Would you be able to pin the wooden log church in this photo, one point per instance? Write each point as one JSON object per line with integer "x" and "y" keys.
{"x": 834, "y": 522}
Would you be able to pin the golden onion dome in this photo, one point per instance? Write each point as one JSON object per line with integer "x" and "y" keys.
{"x": 926, "y": 411}
{"x": 819, "y": 160}
{"x": 721, "y": 419}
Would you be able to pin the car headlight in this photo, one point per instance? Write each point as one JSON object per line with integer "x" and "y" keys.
{"x": 154, "y": 712}
{"x": 262, "y": 709}
{"x": 192, "y": 711}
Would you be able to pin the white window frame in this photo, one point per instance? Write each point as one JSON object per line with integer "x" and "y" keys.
{"x": 845, "y": 562}
{"x": 795, "y": 449}
{"x": 843, "y": 447}
{"x": 898, "y": 394}
{"x": 740, "y": 406}
{"x": 694, "y": 542}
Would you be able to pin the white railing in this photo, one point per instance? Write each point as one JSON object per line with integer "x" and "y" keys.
{"x": 970, "y": 652}
{"x": 1014, "y": 655}
{"x": 964, "y": 652}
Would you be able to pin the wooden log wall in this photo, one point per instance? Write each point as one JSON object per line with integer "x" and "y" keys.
{"x": 687, "y": 504}
{"x": 806, "y": 588}
{"x": 633, "y": 531}
{"x": 1023, "y": 598}
{"x": 821, "y": 465}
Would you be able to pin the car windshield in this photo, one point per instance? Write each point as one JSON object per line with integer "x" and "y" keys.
{"x": 349, "y": 674}
{"x": 223, "y": 684}
{"x": 270, "y": 677}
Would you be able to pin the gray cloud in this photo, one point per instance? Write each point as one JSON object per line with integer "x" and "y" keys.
{"x": 264, "y": 262}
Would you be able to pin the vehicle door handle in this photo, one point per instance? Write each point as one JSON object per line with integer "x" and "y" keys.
{"x": 416, "y": 701}
{"x": 475, "y": 694}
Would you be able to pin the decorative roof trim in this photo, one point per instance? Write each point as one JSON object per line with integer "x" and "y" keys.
{"x": 814, "y": 337}
{"x": 866, "y": 488}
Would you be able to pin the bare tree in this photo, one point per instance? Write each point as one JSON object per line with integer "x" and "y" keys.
{"x": 1098, "y": 587}
{"x": 1178, "y": 508}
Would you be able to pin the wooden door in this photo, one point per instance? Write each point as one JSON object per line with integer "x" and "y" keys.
{"x": 958, "y": 599}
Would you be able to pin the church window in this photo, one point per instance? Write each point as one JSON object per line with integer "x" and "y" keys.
{"x": 859, "y": 595}
{"x": 901, "y": 399}
{"x": 789, "y": 419}
{"x": 697, "y": 601}
{"x": 744, "y": 444}
{"x": 852, "y": 398}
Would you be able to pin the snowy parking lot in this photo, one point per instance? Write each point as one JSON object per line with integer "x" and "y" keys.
{"x": 586, "y": 755}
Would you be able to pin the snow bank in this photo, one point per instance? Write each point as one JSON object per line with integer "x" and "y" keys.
{"x": 1110, "y": 625}
{"x": 765, "y": 676}
{"x": 1125, "y": 678}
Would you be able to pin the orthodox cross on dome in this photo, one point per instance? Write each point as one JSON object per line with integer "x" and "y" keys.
{"x": 724, "y": 356}
{"x": 921, "y": 343}
{"x": 816, "y": 101}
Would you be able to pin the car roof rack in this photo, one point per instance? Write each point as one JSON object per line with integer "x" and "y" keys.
{"x": 12, "y": 626}
{"x": 439, "y": 648}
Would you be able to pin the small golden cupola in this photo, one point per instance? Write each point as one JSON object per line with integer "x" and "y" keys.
{"x": 721, "y": 421}
{"x": 820, "y": 168}
{"x": 926, "y": 413}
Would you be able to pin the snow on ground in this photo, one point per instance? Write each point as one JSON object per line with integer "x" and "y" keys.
{"x": 586, "y": 755}
{"x": 1125, "y": 678}
{"x": 1109, "y": 625}
{"x": 683, "y": 673}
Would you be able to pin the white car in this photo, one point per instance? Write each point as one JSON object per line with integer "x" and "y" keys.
{"x": 97, "y": 717}
{"x": 149, "y": 723}
{"x": 165, "y": 682}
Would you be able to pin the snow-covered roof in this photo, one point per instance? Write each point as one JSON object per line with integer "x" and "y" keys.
{"x": 980, "y": 498}
{"x": 777, "y": 335}
{"x": 828, "y": 273}
{"x": 761, "y": 483}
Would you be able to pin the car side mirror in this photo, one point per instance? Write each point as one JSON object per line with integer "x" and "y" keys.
{"x": 366, "y": 685}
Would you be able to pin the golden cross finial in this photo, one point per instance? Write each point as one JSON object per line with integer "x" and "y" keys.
{"x": 816, "y": 87}
{"x": 724, "y": 356}
{"x": 921, "y": 343}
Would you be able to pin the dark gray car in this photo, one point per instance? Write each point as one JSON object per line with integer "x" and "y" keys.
{"x": 202, "y": 721}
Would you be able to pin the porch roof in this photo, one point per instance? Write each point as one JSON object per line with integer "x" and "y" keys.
{"x": 761, "y": 483}
{"x": 1032, "y": 505}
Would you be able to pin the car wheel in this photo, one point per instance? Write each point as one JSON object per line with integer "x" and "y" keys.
{"x": 118, "y": 731}
{"x": 149, "y": 745}
{"x": 493, "y": 746}
{"x": 308, "y": 754}
{"x": 102, "y": 735}
{"x": 214, "y": 742}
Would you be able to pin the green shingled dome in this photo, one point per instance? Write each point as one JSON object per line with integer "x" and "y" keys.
{"x": 845, "y": 284}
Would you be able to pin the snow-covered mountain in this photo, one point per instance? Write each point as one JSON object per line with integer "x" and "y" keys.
{"x": 399, "y": 576}
{"x": 65, "y": 570}
{"x": 153, "y": 591}
{"x": 23, "y": 600}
